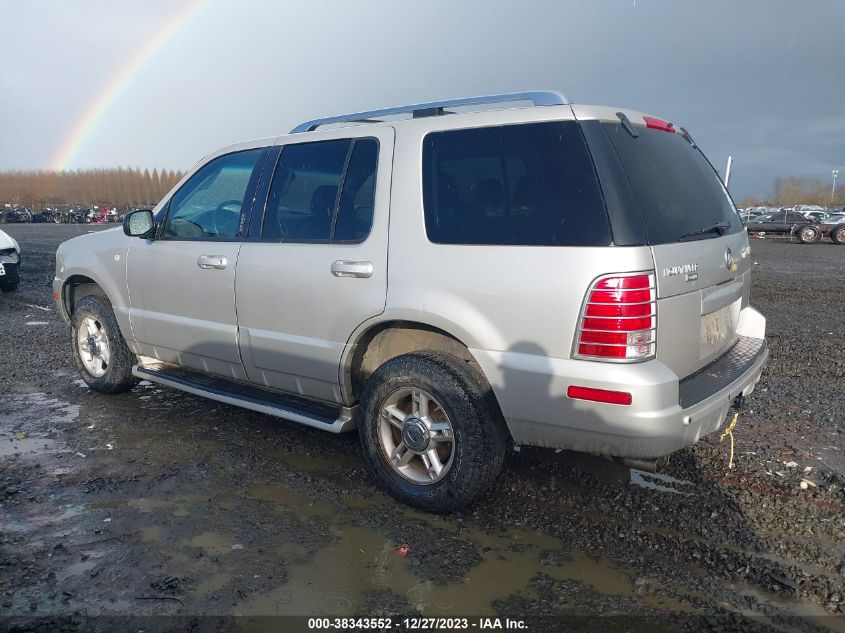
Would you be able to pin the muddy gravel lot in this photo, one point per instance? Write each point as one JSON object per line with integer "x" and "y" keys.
{"x": 153, "y": 509}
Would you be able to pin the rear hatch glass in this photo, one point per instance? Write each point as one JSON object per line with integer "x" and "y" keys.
{"x": 677, "y": 190}
{"x": 697, "y": 240}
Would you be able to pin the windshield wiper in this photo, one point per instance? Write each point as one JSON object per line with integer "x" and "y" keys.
{"x": 719, "y": 228}
{"x": 626, "y": 124}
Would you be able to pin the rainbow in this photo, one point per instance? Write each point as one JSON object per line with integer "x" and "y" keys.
{"x": 122, "y": 78}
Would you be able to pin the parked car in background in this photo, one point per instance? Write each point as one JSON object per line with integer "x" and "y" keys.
{"x": 790, "y": 224}
{"x": 17, "y": 215}
{"x": 786, "y": 223}
{"x": 816, "y": 216}
{"x": 747, "y": 215}
{"x": 835, "y": 218}
{"x": 10, "y": 262}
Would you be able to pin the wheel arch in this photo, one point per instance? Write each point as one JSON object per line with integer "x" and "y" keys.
{"x": 75, "y": 288}
{"x": 378, "y": 342}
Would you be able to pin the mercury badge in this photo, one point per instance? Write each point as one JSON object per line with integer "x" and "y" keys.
{"x": 730, "y": 262}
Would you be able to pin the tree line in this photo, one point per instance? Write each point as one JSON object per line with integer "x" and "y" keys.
{"x": 789, "y": 191}
{"x": 115, "y": 187}
{"x": 122, "y": 187}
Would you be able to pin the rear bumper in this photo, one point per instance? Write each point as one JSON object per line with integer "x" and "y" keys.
{"x": 666, "y": 413}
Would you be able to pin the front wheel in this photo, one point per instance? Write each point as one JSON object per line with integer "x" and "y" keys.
{"x": 101, "y": 354}
{"x": 837, "y": 234}
{"x": 432, "y": 431}
{"x": 809, "y": 234}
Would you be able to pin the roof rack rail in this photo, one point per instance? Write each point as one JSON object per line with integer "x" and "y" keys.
{"x": 435, "y": 108}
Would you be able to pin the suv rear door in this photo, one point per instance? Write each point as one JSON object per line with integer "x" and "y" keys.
{"x": 698, "y": 242}
{"x": 315, "y": 264}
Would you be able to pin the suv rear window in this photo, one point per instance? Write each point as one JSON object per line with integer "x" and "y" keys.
{"x": 531, "y": 184}
{"x": 676, "y": 188}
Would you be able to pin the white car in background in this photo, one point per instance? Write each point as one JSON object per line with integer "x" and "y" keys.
{"x": 10, "y": 261}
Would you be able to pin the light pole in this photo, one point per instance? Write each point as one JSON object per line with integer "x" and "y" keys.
{"x": 833, "y": 189}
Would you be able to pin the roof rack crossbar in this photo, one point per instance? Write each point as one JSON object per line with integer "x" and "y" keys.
{"x": 436, "y": 108}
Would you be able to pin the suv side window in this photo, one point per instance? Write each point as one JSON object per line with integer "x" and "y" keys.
{"x": 530, "y": 184}
{"x": 209, "y": 205}
{"x": 357, "y": 197}
{"x": 322, "y": 191}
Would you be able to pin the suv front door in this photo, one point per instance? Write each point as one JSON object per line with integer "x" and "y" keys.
{"x": 316, "y": 267}
{"x": 182, "y": 283}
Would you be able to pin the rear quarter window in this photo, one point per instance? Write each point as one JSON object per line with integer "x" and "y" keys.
{"x": 531, "y": 184}
{"x": 676, "y": 189}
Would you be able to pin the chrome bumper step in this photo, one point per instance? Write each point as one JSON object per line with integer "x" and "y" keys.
{"x": 332, "y": 418}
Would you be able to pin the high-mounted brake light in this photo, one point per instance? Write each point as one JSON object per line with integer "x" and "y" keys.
{"x": 658, "y": 124}
{"x": 618, "y": 322}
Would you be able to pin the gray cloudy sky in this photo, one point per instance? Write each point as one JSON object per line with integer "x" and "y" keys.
{"x": 763, "y": 80}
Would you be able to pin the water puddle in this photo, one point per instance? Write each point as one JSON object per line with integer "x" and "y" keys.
{"x": 151, "y": 534}
{"x": 26, "y": 407}
{"x": 315, "y": 462}
{"x": 288, "y": 498}
{"x": 34, "y": 522}
{"x": 78, "y": 568}
{"x": 19, "y": 446}
{"x": 212, "y": 583}
{"x": 335, "y": 580}
{"x": 177, "y": 507}
{"x": 596, "y": 573}
{"x": 808, "y": 612}
{"x": 212, "y": 543}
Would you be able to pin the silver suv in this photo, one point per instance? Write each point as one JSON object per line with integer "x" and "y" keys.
{"x": 451, "y": 278}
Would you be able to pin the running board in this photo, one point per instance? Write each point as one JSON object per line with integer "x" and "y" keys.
{"x": 335, "y": 419}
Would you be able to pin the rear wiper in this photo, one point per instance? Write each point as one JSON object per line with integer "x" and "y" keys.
{"x": 626, "y": 124}
{"x": 719, "y": 228}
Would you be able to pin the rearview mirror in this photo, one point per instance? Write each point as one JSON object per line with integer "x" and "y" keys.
{"x": 139, "y": 224}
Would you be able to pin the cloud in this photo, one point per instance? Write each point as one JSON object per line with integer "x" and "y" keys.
{"x": 760, "y": 79}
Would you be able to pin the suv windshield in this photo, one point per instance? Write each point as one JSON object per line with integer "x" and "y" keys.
{"x": 678, "y": 193}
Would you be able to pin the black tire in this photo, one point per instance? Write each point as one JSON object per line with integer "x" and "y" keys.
{"x": 809, "y": 234}
{"x": 8, "y": 286}
{"x": 118, "y": 373}
{"x": 480, "y": 434}
{"x": 837, "y": 234}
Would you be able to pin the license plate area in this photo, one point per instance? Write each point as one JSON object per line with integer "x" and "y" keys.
{"x": 718, "y": 330}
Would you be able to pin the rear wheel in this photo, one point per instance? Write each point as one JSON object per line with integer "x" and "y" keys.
{"x": 809, "y": 234}
{"x": 432, "y": 431}
{"x": 101, "y": 354}
{"x": 837, "y": 234}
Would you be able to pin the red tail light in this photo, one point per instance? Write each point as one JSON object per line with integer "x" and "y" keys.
{"x": 658, "y": 124}
{"x": 619, "y": 320}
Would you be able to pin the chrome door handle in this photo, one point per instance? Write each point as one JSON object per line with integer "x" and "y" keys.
{"x": 212, "y": 261}
{"x": 344, "y": 268}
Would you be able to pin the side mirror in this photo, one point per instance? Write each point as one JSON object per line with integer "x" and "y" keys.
{"x": 139, "y": 224}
